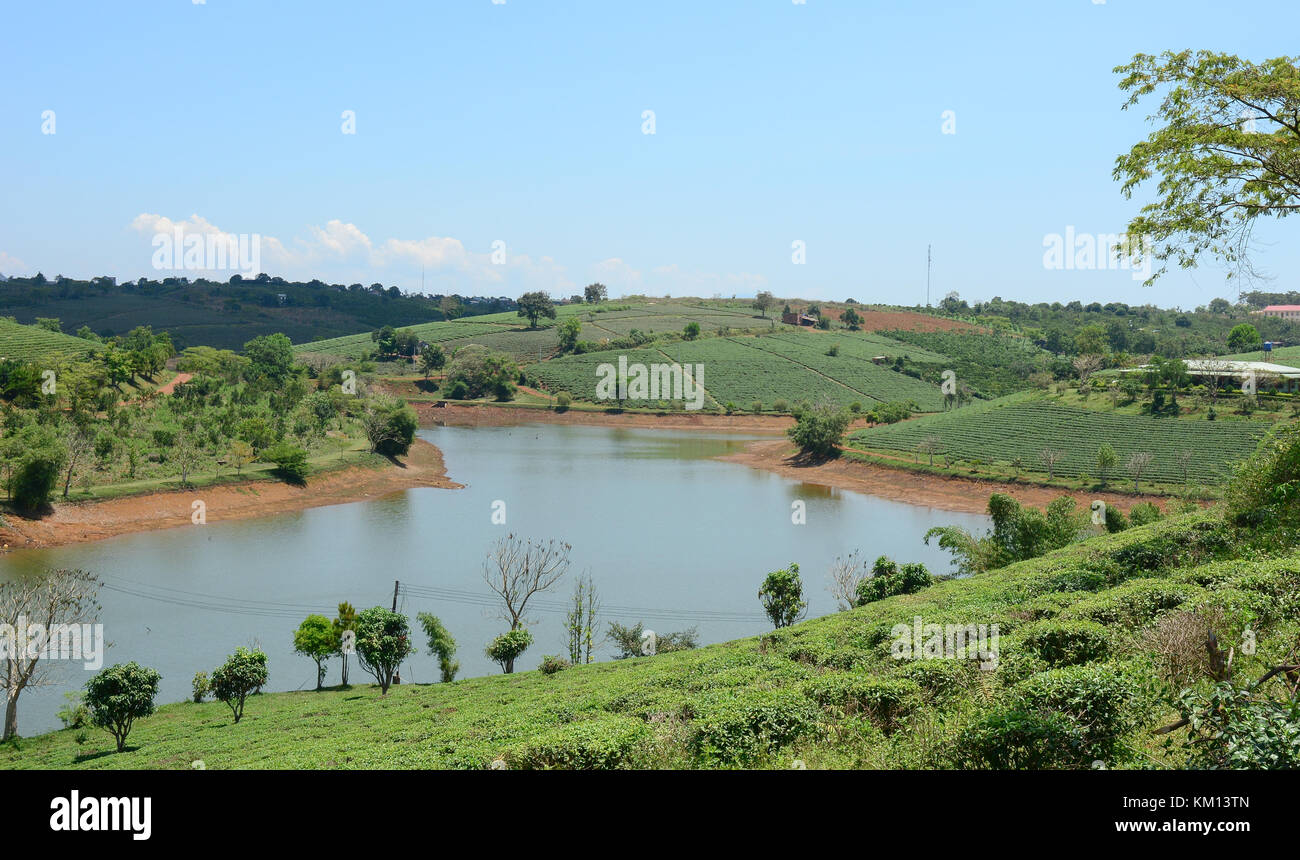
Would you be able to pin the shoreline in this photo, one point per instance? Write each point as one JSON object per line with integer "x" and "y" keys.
{"x": 424, "y": 466}
{"x": 84, "y": 522}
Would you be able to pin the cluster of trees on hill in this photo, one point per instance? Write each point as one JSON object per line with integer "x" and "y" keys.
{"x": 1076, "y": 328}
{"x": 81, "y": 420}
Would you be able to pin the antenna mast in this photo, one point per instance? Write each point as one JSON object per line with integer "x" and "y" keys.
{"x": 927, "y": 276}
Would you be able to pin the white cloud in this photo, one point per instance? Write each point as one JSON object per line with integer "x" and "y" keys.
{"x": 10, "y": 265}
{"x": 341, "y": 251}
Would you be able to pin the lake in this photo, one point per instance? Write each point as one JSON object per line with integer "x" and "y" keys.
{"x": 670, "y": 536}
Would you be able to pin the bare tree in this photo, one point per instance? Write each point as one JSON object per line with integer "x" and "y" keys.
{"x": 928, "y": 445}
{"x": 1050, "y": 457}
{"x": 517, "y": 569}
{"x": 1086, "y": 366}
{"x": 1138, "y": 464}
{"x": 186, "y": 455}
{"x": 1183, "y": 459}
{"x": 56, "y": 597}
{"x": 845, "y": 574}
{"x": 80, "y": 447}
{"x": 1216, "y": 373}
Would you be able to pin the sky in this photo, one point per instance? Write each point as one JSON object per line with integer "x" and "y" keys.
{"x": 813, "y": 149}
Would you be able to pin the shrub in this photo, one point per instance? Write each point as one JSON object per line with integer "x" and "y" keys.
{"x": 236, "y": 679}
{"x": 605, "y": 743}
{"x": 1232, "y": 729}
{"x": 1100, "y": 700}
{"x": 552, "y": 664}
{"x": 940, "y": 681}
{"x": 290, "y": 462}
{"x": 562, "y": 400}
{"x": 1019, "y": 740}
{"x": 736, "y": 728}
{"x": 74, "y": 714}
{"x": 40, "y": 456}
{"x": 1143, "y": 513}
{"x": 885, "y": 701}
{"x": 201, "y": 686}
{"x": 1067, "y": 643}
{"x": 1133, "y": 604}
{"x": 119, "y": 695}
{"x": 888, "y": 579}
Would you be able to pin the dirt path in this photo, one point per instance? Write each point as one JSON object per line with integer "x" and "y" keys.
{"x": 178, "y": 379}
{"x": 967, "y": 495}
{"x": 89, "y": 521}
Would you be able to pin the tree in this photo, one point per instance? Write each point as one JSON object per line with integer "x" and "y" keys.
{"x": 432, "y": 358}
{"x": 56, "y": 597}
{"x": 120, "y": 695}
{"x": 315, "y": 638}
{"x": 593, "y": 293}
{"x": 270, "y": 358}
{"x": 383, "y": 642}
{"x": 568, "y": 332}
{"x": 1138, "y": 464}
{"x": 389, "y": 425}
{"x": 1107, "y": 459}
{"x": 536, "y": 305}
{"x": 691, "y": 331}
{"x": 441, "y": 645}
{"x": 290, "y": 462}
{"x": 817, "y": 429}
{"x": 929, "y": 445}
{"x": 450, "y": 307}
{"x": 79, "y": 446}
{"x": 516, "y": 570}
{"x": 852, "y": 319}
{"x": 763, "y": 301}
{"x": 782, "y": 596}
{"x": 580, "y": 624}
{"x": 1244, "y": 338}
{"x": 845, "y": 575}
{"x": 1050, "y": 457}
{"x": 237, "y": 678}
{"x": 241, "y": 454}
{"x": 478, "y": 370}
{"x": 507, "y": 647}
{"x": 1225, "y": 154}
{"x": 186, "y": 455}
{"x": 345, "y": 621}
{"x": 39, "y": 456}
{"x": 1086, "y": 365}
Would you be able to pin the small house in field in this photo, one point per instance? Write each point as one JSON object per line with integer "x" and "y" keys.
{"x": 793, "y": 318}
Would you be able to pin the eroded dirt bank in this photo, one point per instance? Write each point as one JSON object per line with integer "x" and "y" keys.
{"x": 88, "y": 521}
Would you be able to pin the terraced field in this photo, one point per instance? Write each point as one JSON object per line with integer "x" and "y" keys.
{"x": 360, "y": 345}
{"x": 764, "y": 369}
{"x": 30, "y": 343}
{"x": 1024, "y": 425}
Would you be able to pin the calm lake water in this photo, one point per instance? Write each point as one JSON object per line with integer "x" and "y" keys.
{"x": 671, "y": 538}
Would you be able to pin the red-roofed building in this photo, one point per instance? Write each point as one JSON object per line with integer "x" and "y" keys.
{"x": 1286, "y": 312}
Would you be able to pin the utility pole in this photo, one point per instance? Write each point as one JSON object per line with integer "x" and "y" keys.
{"x": 395, "y": 584}
{"x": 927, "y": 276}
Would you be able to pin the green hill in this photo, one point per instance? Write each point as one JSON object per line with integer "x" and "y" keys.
{"x": 994, "y": 433}
{"x": 1089, "y": 651}
{"x": 32, "y": 343}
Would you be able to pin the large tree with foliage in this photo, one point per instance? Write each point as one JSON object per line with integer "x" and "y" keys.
{"x": 315, "y": 638}
{"x": 120, "y": 695}
{"x": 243, "y": 673}
{"x": 536, "y": 305}
{"x": 1227, "y": 151}
{"x": 383, "y": 642}
{"x": 782, "y": 596}
{"x": 817, "y": 429}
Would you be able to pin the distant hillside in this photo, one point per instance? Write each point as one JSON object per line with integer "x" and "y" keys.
{"x": 225, "y": 315}
{"x": 32, "y": 343}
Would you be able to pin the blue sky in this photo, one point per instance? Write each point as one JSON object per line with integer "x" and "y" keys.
{"x": 522, "y": 123}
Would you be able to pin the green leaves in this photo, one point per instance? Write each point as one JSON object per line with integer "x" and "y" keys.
{"x": 1228, "y": 152}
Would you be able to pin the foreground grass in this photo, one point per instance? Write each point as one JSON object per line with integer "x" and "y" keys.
{"x": 826, "y": 692}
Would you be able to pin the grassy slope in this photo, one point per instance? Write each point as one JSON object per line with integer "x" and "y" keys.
{"x": 30, "y": 343}
{"x": 994, "y": 432}
{"x": 724, "y": 704}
